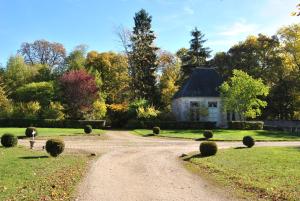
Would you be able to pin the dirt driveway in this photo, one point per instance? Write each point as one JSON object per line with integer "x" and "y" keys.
{"x": 133, "y": 168}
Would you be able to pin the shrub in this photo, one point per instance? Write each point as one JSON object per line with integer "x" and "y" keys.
{"x": 246, "y": 125}
{"x": 248, "y": 141}
{"x": 30, "y": 130}
{"x": 28, "y": 110}
{"x": 54, "y": 111}
{"x": 98, "y": 111}
{"x": 88, "y": 129}
{"x": 208, "y": 134}
{"x": 55, "y": 147}
{"x": 118, "y": 114}
{"x": 43, "y": 92}
{"x": 146, "y": 113}
{"x": 156, "y": 130}
{"x": 79, "y": 91}
{"x": 9, "y": 140}
{"x": 208, "y": 148}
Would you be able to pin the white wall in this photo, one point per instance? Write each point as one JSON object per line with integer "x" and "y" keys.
{"x": 181, "y": 108}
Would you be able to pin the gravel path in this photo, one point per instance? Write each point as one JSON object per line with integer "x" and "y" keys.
{"x": 134, "y": 168}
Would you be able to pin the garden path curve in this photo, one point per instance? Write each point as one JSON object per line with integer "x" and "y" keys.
{"x": 134, "y": 168}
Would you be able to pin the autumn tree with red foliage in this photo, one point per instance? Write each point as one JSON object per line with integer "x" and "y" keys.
{"x": 79, "y": 91}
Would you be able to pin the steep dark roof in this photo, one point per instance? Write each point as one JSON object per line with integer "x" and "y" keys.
{"x": 203, "y": 82}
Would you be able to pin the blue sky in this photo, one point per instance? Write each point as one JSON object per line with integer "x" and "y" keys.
{"x": 94, "y": 22}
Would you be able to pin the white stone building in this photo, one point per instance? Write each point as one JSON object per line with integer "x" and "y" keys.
{"x": 199, "y": 98}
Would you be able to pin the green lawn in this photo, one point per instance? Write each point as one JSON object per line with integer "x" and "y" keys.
{"x": 265, "y": 172}
{"x": 48, "y": 132}
{"x": 32, "y": 175}
{"x": 225, "y": 135}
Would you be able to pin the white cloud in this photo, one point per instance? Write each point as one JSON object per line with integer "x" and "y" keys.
{"x": 188, "y": 10}
{"x": 238, "y": 28}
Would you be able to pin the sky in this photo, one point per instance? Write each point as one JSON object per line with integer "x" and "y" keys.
{"x": 94, "y": 22}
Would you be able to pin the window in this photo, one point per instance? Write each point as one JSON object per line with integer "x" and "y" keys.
{"x": 212, "y": 104}
{"x": 194, "y": 104}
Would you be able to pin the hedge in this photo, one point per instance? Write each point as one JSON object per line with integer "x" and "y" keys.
{"x": 135, "y": 124}
{"x": 51, "y": 123}
{"x": 246, "y": 125}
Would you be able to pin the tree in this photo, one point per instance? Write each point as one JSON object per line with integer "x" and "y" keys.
{"x": 79, "y": 91}
{"x": 221, "y": 60}
{"x": 143, "y": 58}
{"x": 169, "y": 83}
{"x": 196, "y": 55}
{"x": 112, "y": 71}
{"x": 99, "y": 110}
{"x": 43, "y": 52}
{"x": 290, "y": 38}
{"x": 42, "y": 92}
{"x": 182, "y": 53}
{"x": 258, "y": 56}
{"x": 268, "y": 58}
{"x": 76, "y": 59}
{"x": 18, "y": 73}
{"x": 242, "y": 93}
{"x": 54, "y": 111}
{"x": 283, "y": 100}
{"x": 297, "y": 13}
{"x": 4, "y": 102}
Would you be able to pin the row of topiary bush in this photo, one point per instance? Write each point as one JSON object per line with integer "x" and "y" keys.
{"x": 53, "y": 146}
{"x": 88, "y": 129}
{"x": 210, "y": 148}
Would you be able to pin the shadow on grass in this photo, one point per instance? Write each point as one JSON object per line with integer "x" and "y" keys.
{"x": 241, "y": 148}
{"x": 33, "y": 157}
{"x": 23, "y": 137}
{"x": 261, "y": 133}
{"x": 201, "y": 139}
{"x": 194, "y": 156}
{"x": 148, "y": 135}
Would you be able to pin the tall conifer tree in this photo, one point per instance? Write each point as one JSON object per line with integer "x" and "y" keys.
{"x": 196, "y": 55}
{"x": 143, "y": 58}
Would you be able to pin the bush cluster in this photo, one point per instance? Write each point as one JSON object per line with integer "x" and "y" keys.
{"x": 156, "y": 130}
{"x": 30, "y": 130}
{"x": 88, "y": 129}
{"x": 55, "y": 147}
{"x": 208, "y": 148}
{"x": 246, "y": 125}
{"x": 9, "y": 140}
{"x": 208, "y": 134}
{"x": 248, "y": 141}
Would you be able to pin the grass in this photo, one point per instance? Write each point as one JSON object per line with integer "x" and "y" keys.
{"x": 49, "y": 132}
{"x": 32, "y": 175}
{"x": 226, "y": 135}
{"x": 266, "y": 173}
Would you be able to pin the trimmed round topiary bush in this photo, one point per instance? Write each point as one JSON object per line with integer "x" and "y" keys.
{"x": 208, "y": 148}
{"x": 248, "y": 141}
{"x": 88, "y": 129}
{"x": 55, "y": 147}
{"x": 208, "y": 134}
{"x": 9, "y": 140}
{"x": 156, "y": 130}
{"x": 30, "y": 130}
